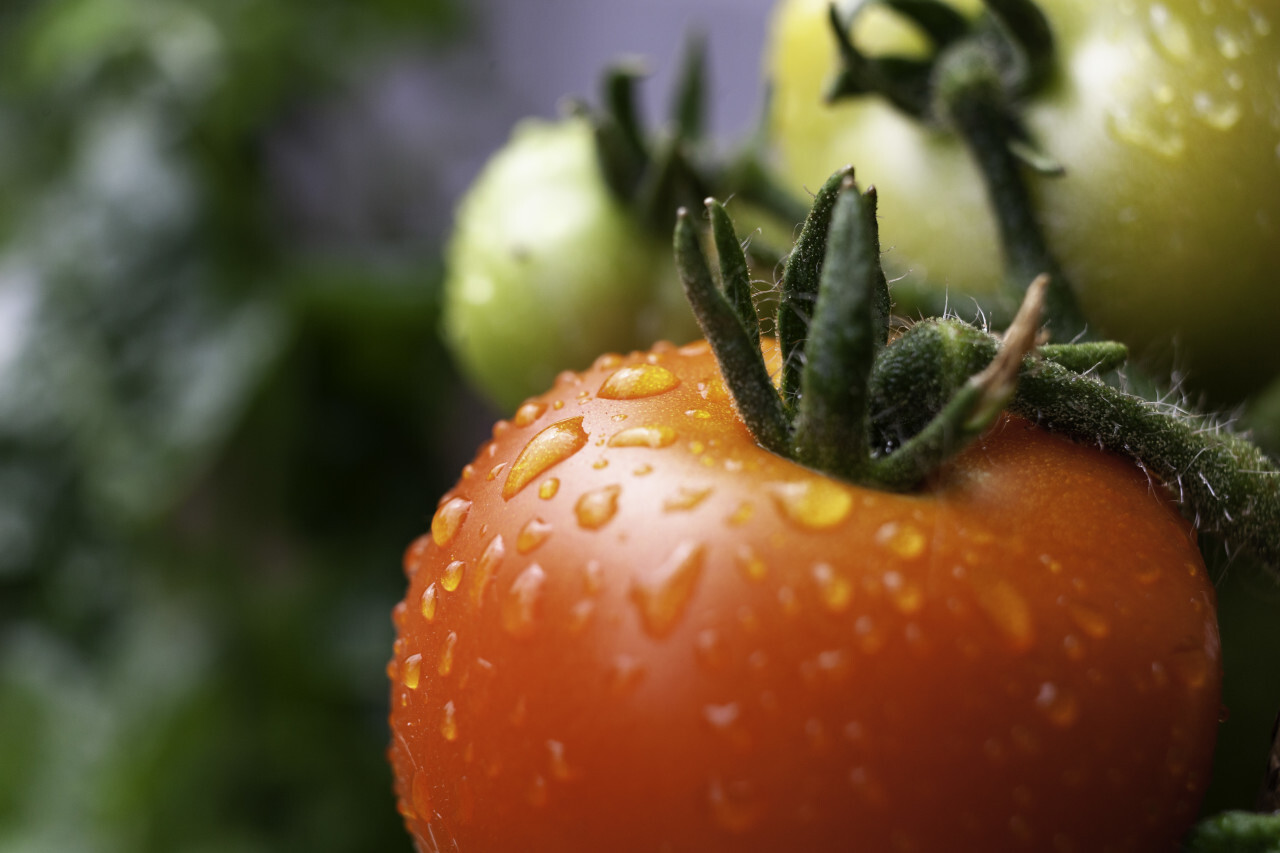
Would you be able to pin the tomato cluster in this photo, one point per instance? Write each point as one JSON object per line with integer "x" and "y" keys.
{"x": 631, "y": 627}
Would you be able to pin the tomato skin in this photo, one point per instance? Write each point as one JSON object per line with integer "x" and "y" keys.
{"x": 689, "y": 643}
{"x": 1166, "y": 117}
{"x": 546, "y": 269}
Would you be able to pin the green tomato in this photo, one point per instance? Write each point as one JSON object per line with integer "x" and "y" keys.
{"x": 546, "y": 269}
{"x": 1166, "y": 116}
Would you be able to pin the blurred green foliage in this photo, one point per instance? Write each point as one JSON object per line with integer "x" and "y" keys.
{"x": 213, "y": 442}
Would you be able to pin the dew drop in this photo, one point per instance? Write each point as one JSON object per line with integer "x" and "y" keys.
{"x": 1153, "y": 133}
{"x": 834, "y": 589}
{"x": 1093, "y": 623}
{"x": 449, "y": 723}
{"x": 644, "y": 436}
{"x": 733, "y": 806}
{"x": 905, "y": 595}
{"x": 580, "y": 615}
{"x": 1059, "y": 705}
{"x": 1008, "y": 611}
{"x": 448, "y": 519}
{"x": 815, "y": 504}
{"x": 487, "y": 566}
{"x": 452, "y": 575}
{"x": 1215, "y": 112}
{"x": 625, "y": 674}
{"x": 742, "y": 514}
{"x": 1228, "y": 44}
{"x": 698, "y": 414}
{"x": 643, "y": 470}
{"x": 520, "y": 607}
{"x": 428, "y": 603}
{"x": 415, "y": 554}
{"x": 726, "y": 721}
{"x": 750, "y": 563}
{"x": 1073, "y": 647}
{"x": 903, "y": 540}
{"x": 686, "y": 498}
{"x": 420, "y": 795}
{"x": 445, "y": 667}
{"x": 550, "y": 447}
{"x": 592, "y": 577}
{"x": 597, "y": 508}
{"x": 1172, "y": 37}
{"x": 532, "y": 535}
{"x": 538, "y": 793}
{"x": 399, "y": 613}
{"x": 713, "y": 391}
{"x": 558, "y": 765}
{"x": 1192, "y": 667}
{"x": 788, "y": 601}
{"x": 663, "y": 593}
{"x": 529, "y": 412}
{"x": 411, "y": 672}
{"x": 548, "y": 488}
{"x": 637, "y": 381}
{"x": 496, "y": 471}
{"x": 709, "y": 649}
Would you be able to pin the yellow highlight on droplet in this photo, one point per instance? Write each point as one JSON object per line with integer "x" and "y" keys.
{"x": 814, "y": 504}
{"x": 550, "y": 447}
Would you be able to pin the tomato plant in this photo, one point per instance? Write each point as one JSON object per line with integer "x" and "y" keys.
{"x": 1166, "y": 118}
{"x": 546, "y": 268}
{"x": 632, "y": 628}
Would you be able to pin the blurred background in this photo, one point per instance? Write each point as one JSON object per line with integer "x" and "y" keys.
{"x": 224, "y": 410}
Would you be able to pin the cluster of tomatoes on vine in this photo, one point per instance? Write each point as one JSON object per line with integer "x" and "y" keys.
{"x": 828, "y": 566}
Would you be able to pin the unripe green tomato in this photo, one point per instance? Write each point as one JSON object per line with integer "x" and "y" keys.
{"x": 1166, "y": 117}
{"x": 547, "y": 269}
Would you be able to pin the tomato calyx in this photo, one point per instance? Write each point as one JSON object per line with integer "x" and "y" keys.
{"x": 887, "y": 414}
{"x": 656, "y": 173}
{"x": 972, "y": 85}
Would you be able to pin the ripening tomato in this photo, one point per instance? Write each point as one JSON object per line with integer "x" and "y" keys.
{"x": 631, "y": 628}
{"x": 1166, "y": 117}
{"x": 546, "y": 268}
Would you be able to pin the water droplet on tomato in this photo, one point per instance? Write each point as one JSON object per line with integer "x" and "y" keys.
{"x": 750, "y": 563}
{"x": 814, "y": 504}
{"x": 742, "y": 514}
{"x": 625, "y": 674}
{"x": 788, "y": 601}
{"x": 655, "y": 437}
{"x": 1008, "y": 611}
{"x": 420, "y": 795}
{"x": 452, "y": 575}
{"x": 734, "y": 806}
{"x": 548, "y": 488}
{"x": 662, "y": 593}
{"x": 448, "y": 520}
{"x": 445, "y": 667}
{"x": 415, "y": 554}
{"x": 709, "y": 649}
{"x": 1093, "y": 623}
{"x": 698, "y": 414}
{"x": 411, "y": 672}
{"x": 902, "y": 540}
{"x": 597, "y": 508}
{"x": 637, "y": 381}
{"x": 905, "y": 594}
{"x": 398, "y": 614}
{"x": 520, "y": 607}
{"x": 1228, "y": 43}
{"x": 1058, "y": 704}
{"x": 428, "y": 603}
{"x": 532, "y": 535}
{"x": 834, "y": 589}
{"x": 449, "y": 722}
{"x": 487, "y": 567}
{"x": 550, "y": 447}
{"x": 558, "y": 765}
{"x": 726, "y": 721}
{"x": 538, "y": 793}
{"x": 580, "y": 614}
{"x": 686, "y": 498}
{"x": 528, "y": 413}
{"x": 495, "y": 472}
{"x": 1192, "y": 667}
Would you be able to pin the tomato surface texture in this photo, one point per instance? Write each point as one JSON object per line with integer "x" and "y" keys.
{"x": 1166, "y": 118}
{"x": 631, "y": 628}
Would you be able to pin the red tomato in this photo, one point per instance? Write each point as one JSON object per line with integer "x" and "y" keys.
{"x": 631, "y": 628}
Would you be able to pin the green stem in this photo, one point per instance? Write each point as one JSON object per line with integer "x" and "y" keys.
{"x": 831, "y": 420}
